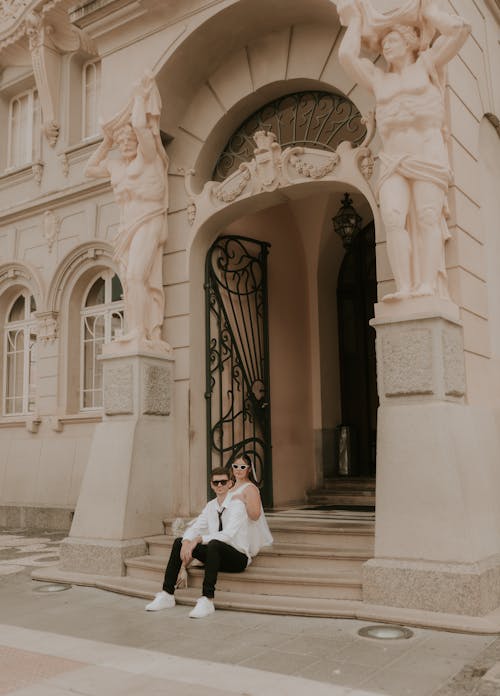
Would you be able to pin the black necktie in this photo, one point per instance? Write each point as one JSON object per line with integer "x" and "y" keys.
{"x": 220, "y": 518}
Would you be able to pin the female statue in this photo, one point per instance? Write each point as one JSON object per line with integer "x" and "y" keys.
{"x": 410, "y": 111}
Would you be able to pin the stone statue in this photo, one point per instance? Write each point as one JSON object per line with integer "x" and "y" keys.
{"x": 410, "y": 111}
{"x": 139, "y": 182}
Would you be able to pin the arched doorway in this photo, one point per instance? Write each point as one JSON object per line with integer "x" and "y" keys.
{"x": 284, "y": 198}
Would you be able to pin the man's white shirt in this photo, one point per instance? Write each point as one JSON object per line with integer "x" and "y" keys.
{"x": 234, "y": 525}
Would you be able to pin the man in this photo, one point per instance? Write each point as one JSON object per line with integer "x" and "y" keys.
{"x": 218, "y": 537}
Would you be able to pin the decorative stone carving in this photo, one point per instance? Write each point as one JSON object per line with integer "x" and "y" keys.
{"x": 46, "y": 44}
{"x": 37, "y": 169}
{"x": 191, "y": 211}
{"x": 312, "y": 171}
{"x": 407, "y": 362}
{"x": 118, "y": 390}
{"x": 272, "y": 168}
{"x": 156, "y": 390}
{"x": 63, "y": 159}
{"x": 48, "y": 326}
{"x": 55, "y": 424}
{"x": 33, "y": 424}
{"x": 51, "y": 227}
{"x": 410, "y": 111}
{"x": 454, "y": 365}
{"x": 139, "y": 181}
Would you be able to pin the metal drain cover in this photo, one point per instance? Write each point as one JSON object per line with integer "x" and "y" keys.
{"x": 385, "y": 632}
{"x": 59, "y": 587}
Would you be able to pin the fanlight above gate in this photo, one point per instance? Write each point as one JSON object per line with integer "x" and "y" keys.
{"x": 319, "y": 120}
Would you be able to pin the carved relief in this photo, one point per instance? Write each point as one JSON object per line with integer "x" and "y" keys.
{"x": 47, "y": 327}
{"x": 46, "y": 44}
{"x": 157, "y": 390}
{"x": 272, "y": 168}
{"x": 407, "y": 362}
{"x": 312, "y": 171}
{"x": 63, "y": 159}
{"x": 411, "y": 114}
{"x": 37, "y": 169}
{"x": 141, "y": 170}
{"x": 51, "y": 227}
{"x": 454, "y": 364}
{"x": 118, "y": 389}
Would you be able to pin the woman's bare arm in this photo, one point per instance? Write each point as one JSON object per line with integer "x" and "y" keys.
{"x": 251, "y": 497}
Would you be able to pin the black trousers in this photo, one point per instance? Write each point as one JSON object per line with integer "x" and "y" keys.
{"x": 216, "y": 555}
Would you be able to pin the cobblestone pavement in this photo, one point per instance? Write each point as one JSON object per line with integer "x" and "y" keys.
{"x": 95, "y": 643}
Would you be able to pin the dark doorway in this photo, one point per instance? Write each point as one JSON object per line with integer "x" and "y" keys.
{"x": 356, "y": 296}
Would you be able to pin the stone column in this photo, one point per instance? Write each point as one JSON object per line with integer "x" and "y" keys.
{"x": 437, "y": 522}
{"x": 124, "y": 489}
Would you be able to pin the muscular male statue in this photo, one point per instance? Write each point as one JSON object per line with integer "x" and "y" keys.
{"x": 139, "y": 182}
{"x": 410, "y": 111}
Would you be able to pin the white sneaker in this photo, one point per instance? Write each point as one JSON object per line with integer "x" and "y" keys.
{"x": 204, "y": 607}
{"x": 162, "y": 600}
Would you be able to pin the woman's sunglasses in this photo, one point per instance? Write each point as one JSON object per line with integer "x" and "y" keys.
{"x": 220, "y": 482}
{"x": 240, "y": 466}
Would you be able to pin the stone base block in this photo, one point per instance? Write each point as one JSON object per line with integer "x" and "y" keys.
{"x": 471, "y": 589}
{"x": 99, "y": 556}
{"x": 26, "y": 517}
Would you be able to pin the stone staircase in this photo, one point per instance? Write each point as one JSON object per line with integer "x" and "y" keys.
{"x": 344, "y": 492}
{"x": 313, "y": 568}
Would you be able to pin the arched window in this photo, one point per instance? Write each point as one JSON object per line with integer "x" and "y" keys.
{"x": 91, "y": 83}
{"x": 24, "y": 129}
{"x": 20, "y": 356}
{"x": 101, "y": 321}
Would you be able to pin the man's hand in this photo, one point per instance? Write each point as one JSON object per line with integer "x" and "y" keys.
{"x": 187, "y": 550}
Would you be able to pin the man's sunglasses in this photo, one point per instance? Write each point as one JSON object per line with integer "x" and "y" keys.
{"x": 220, "y": 482}
{"x": 240, "y": 466}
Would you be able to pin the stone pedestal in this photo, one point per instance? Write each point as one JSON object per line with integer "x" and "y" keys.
{"x": 124, "y": 489}
{"x": 437, "y": 537}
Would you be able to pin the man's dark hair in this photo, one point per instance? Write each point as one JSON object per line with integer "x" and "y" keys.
{"x": 218, "y": 471}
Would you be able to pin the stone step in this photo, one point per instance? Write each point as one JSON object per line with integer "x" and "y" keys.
{"x": 322, "y": 533}
{"x": 331, "y": 498}
{"x": 236, "y": 601}
{"x": 265, "y": 581}
{"x": 285, "y": 555}
{"x": 347, "y": 483}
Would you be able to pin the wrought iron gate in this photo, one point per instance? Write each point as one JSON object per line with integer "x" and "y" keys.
{"x": 237, "y": 356}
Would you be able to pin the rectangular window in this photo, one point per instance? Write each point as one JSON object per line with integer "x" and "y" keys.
{"x": 91, "y": 83}
{"x": 24, "y": 129}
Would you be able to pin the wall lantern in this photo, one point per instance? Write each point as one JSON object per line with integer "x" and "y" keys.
{"x": 347, "y": 222}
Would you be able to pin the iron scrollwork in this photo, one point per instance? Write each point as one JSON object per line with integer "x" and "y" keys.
{"x": 314, "y": 119}
{"x": 237, "y": 390}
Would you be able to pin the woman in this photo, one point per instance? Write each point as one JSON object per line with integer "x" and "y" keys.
{"x": 410, "y": 111}
{"x": 245, "y": 489}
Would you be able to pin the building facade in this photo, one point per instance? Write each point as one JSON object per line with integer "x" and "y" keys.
{"x": 267, "y": 307}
